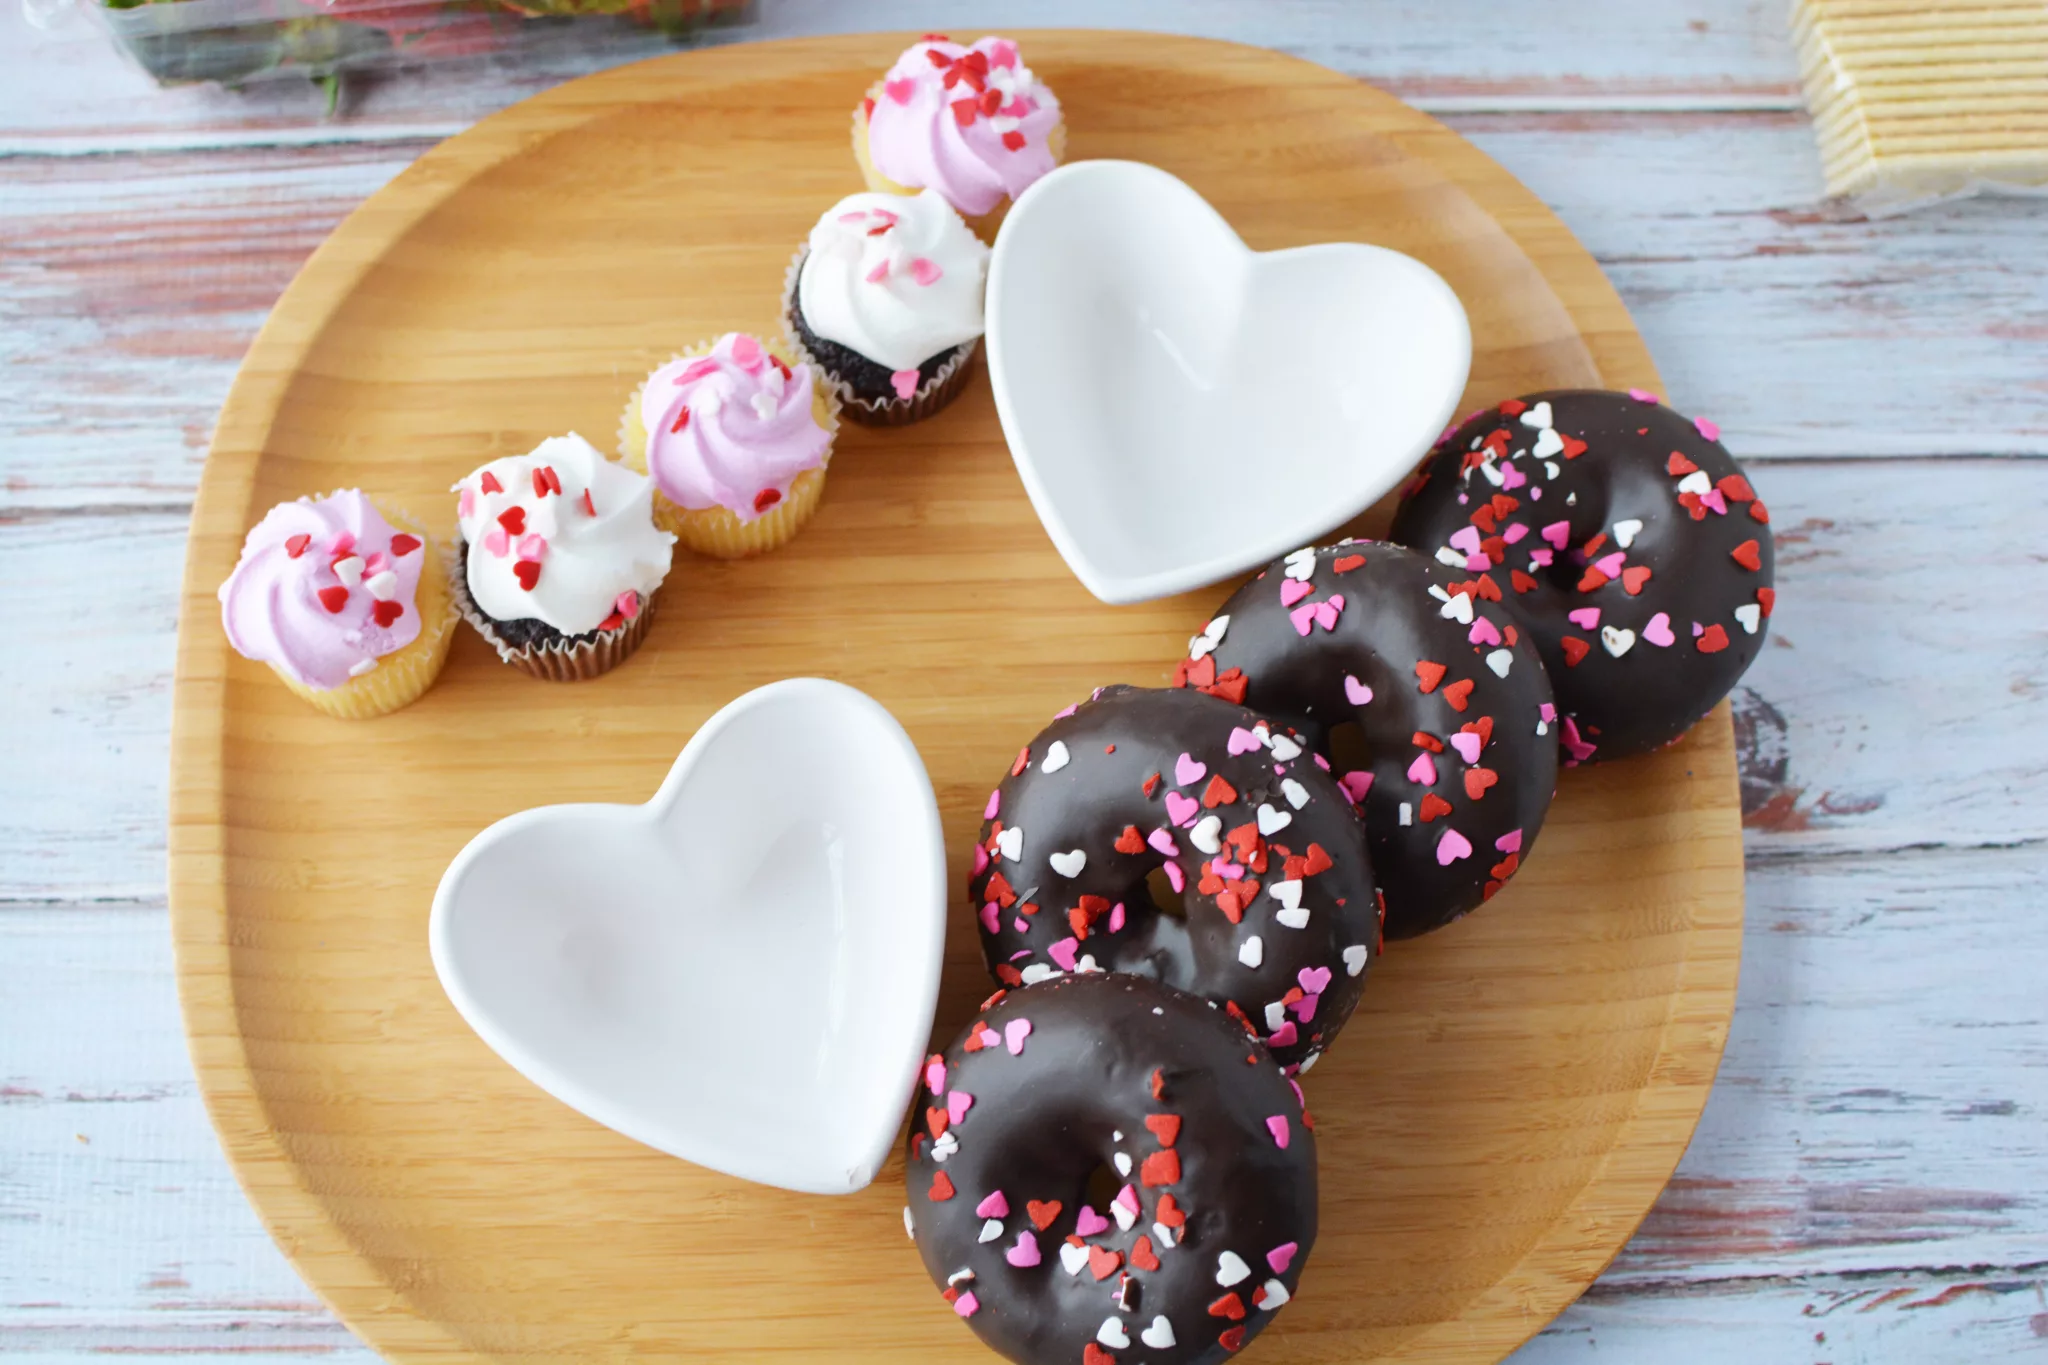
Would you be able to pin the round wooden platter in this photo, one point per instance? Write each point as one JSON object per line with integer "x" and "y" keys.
{"x": 1504, "y": 1107}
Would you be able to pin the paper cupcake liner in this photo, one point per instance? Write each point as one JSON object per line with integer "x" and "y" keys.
{"x": 402, "y": 676}
{"x": 942, "y": 388}
{"x": 559, "y": 660}
{"x": 718, "y": 531}
{"x": 985, "y": 225}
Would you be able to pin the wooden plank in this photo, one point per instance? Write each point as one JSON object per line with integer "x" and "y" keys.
{"x": 72, "y": 93}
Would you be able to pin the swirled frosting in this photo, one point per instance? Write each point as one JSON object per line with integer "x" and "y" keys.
{"x": 972, "y": 123}
{"x": 895, "y": 278}
{"x": 562, "y": 535}
{"x": 325, "y": 588}
{"x": 732, "y": 428}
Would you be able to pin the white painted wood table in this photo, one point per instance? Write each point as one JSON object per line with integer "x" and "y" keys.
{"x": 1870, "y": 1182}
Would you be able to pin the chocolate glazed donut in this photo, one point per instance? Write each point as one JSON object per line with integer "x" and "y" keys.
{"x": 1629, "y": 542}
{"x": 1453, "y": 710}
{"x": 1203, "y": 1140}
{"x": 1279, "y": 916}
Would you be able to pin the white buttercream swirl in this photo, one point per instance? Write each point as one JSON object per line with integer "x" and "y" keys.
{"x": 897, "y": 278}
{"x": 584, "y": 523}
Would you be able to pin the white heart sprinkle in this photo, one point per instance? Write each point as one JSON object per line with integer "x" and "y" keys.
{"x": 1211, "y": 636}
{"x": 1159, "y": 1336}
{"x": 1231, "y": 1269}
{"x": 1500, "y": 661}
{"x": 1272, "y": 821}
{"x": 1696, "y": 482}
{"x": 1354, "y": 959}
{"x": 1547, "y": 444}
{"x": 991, "y": 1230}
{"x": 1276, "y": 1014}
{"x": 1123, "y": 1163}
{"x": 1292, "y": 919}
{"x": 1086, "y": 965}
{"x": 764, "y": 405}
{"x": 1010, "y": 843}
{"x": 1207, "y": 834}
{"x": 1070, "y": 863}
{"x": 1037, "y": 972}
{"x": 1270, "y": 1296}
{"x": 1446, "y": 555}
{"x": 1749, "y": 613}
{"x": 1072, "y": 1258}
{"x": 1287, "y": 892}
{"x": 1618, "y": 639}
{"x": 349, "y": 569}
{"x": 1538, "y": 416}
{"x": 945, "y": 1146}
{"x": 1296, "y": 794}
{"x": 1251, "y": 952}
{"x": 1301, "y": 565}
{"x": 1112, "y": 1333}
{"x": 1285, "y": 749}
{"x": 1163, "y": 1235}
{"x": 1550, "y": 469}
{"x": 1124, "y": 1214}
{"x": 1055, "y": 758}
{"x": 963, "y": 1275}
{"x": 1492, "y": 472}
{"x": 1117, "y": 1134}
{"x": 1308, "y": 1061}
{"x": 1458, "y": 609}
{"x": 1625, "y": 532}
{"x": 383, "y": 586}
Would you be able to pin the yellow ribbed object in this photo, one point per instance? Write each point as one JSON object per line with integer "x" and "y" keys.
{"x": 1923, "y": 99}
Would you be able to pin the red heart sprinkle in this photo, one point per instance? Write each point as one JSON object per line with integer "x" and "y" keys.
{"x": 513, "y": 519}
{"x": 1230, "y": 686}
{"x": 490, "y": 483}
{"x": 1230, "y": 901}
{"x": 1505, "y": 868}
{"x": 1042, "y": 1212}
{"x": 1169, "y": 1212}
{"x": 1023, "y": 758}
{"x": 936, "y": 1119}
{"x": 1483, "y": 727}
{"x": 1513, "y": 407}
{"x": 942, "y": 1187}
{"x": 612, "y": 622}
{"x": 403, "y": 545}
{"x": 1091, "y": 1354}
{"x": 1573, "y": 446}
{"x": 527, "y": 571}
{"x": 1678, "y": 465}
{"x": 334, "y": 598}
{"x": 1433, "y": 806}
{"x": 1574, "y": 649}
{"x": 386, "y": 612}
{"x": 1523, "y": 582}
{"x": 1165, "y": 1127}
{"x": 1767, "y": 598}
{"x": 1346, "y": 563}
{"x": 1735, "y": 488}
{"x": 1483, "y": 517}
{"x": 1746, "y": 554}
{"x": 1477, "y": 780}
{"x": 296, "y": 546}
{"x": 1317, "y": 861}
{"x": 1634, "y": 576}
{"x": 1429, "y": 675}
{"x": 1014, "y": 140}
{"x": 1142, "y": 1255}
{"x": 1757, "y": 512}
{"x": 1130, "y": 841}
{"x": 1151, "y": 785}
{"x": 1218, "y": 793}
{"x": 1232, "y": 1338}
{"x": 1459, "y": 693}
{"x": 1593, "y": 581}
{"x": 1103, "y": 1263}
{"x": 682, "y": 419}
{"x": 1161, "y": 1168}
{"x": 1229, "y": 1306}
{"x": 1713, "y": 640}
{"x": 766, "y": 499}
{"x": 540, "y": 484}
{"x": 1423, "y": 739}
{"x": 964, "y": 112}
{"x": 1202, "y": 672}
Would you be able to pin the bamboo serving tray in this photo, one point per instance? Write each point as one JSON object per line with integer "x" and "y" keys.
{"x": 1502, "y": 1110}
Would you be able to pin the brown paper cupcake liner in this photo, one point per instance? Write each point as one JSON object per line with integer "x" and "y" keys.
{"x": 942, "y": 388}
{"x": 557, "y": 661}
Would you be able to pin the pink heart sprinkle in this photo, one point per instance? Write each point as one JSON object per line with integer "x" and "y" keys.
{"x": 1575, "y": 743}
{"x": 995, "y": 1206}
{"x": 1242, "y": 741}
{"x": 1514, "y": 533}
{"x": 888, "y": 218}
{"x": 995, "y": 803}
{"x": 1452, "y": 847}
{"x": 1014, "y": 1034}
{"x": 935, "y": 1076}
{"x": 1090, "y": 1222}
{"x": 1558, "y": 533}
{"x": 627, "y": 604}
{"x": 1063, "y": 951}
{"x": 1511, "y": 842}
{"x": 1468, "y": 745}
{"x": 957, "y": 1104}
{"x": 1658, "y": 631}
{"x": 746, "y": 352}
{"x": 1314, "y": 980}
{"x": 1698, "y": 630}
{"x": 1478, "y": 563}
{"x": 1321, "y": 762}
{"x": 465, "y": 506}
{"x": 901, "y": 91}
{"x": 1356, "y": 692}
{"x": 1284, "y": 1036}
{"x": 1610, "y": 564}
{"x": 1224, "y": 868}
{"x": 1713, "y": 498}
{"x": 1547, "y": 712}
{"x": 1282, "y": 1256}
{"x": 1001, "y": 51}
{"x": 343, "y": 542}
{"x": 925, "y": 271}
{"x": 498, "y": 543}
{"x": 1306, "y": 1006}
{"x": 1423, "y": 770}
{"x": 1277, "y": 1126}
{"x": 904, "y": 382}
{"x": 1187, "y": 772}
{"x": 1303, "y": 617}
{"x": 375, "y": 565}
{"x": 879, "y": 273}
{"x": 1024, "y": 1255}
{"x": 1539, "y": 559}
{"x": 991, "y": 918}
{"x": 1162, "y": 839}
{"x": 1466, "y": 538}
{"x": 1511, "y": 477}
{"x": 1356, "y": 784}
{"x": 1116, "y": 918}
{"x": 966, "y": 1304}
{"x": 1174, "y": 878}
{"x": 696, "y": 370}
{"x": 1707, "y": 429}
{"x": 1328, "y": 611}
{"x": 1022, "y": 926}
{"x": 1181, "y": 809}
{"x": 533, "y": 547}
{"x": 1585, "y": 618}
{"x": 1292, "y": 590}
{"x": 1484, "y": 632}
{"x": 1128, "y": 1197}
{"x": 1642, "y": 395}
{"x": 988, "y": 1035}
{"x": 1066, "y": 711}
{"x": 980, "y": 860}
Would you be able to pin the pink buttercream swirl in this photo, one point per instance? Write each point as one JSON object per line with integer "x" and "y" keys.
{"x": 972, "y": 123}
{"x": 325, "y": 588}
{"x": 731, "y": 429}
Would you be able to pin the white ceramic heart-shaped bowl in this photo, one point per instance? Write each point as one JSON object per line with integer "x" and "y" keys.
{"x": 1181, "y": 407}
{"x": 740, "y": 972}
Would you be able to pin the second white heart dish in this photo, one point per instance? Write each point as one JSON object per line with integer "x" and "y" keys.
{"x": 1180, "y": 407}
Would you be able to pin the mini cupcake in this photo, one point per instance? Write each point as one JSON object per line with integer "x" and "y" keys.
{"x": 972, "y": 123}
{"x": 739, "y": 441}
{"x": 560, "y": 559}
{"x": 885, "y": 299}
{"x": 351, "y": 613}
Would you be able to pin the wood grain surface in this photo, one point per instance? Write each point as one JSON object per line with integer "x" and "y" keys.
{"x": 1526, "y": 1081}
{"x": 1866, "y": 1184}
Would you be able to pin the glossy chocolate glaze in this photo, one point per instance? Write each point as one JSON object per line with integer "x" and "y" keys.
{"x": 1425, "y": 663}
{"x": 1103, "y": 1053}
{"x": 1124, "y": 791}
{"x": 1663, "y": 649}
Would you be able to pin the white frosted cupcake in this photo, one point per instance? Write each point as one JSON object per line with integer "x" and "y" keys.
{"x": 885, "y": 299}
{"x": 560, "y": 558}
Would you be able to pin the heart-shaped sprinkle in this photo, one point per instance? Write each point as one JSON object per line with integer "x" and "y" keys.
{"x": 1159, "y": 1336}
{"x": 900, "y": 90}
{"x": 1073, "y": 1257}
{"x": 1181, "y": 809}
{"x": 385, "y": 613}
{"x": 1206, "y": 834}
{"x": 1314, "y": 980}
{"x": 1749, "y": 614}
{"x": 527, "y": 571}
{"x": 966, "y": 1305}
{"x": 1625, "y": 532}
{"x": 1292, "y": 590}
{"x": 1055, "y": 757}
{"x": 333, "y": 597}
{"x": 1354, "y": 959}
{"x": 1277, "y": 1126}
{"x": 1468, "y": 744}
{"x": 1585, "y": 618}
{"x": 1042, "y": 1212}
{"x": 1478, "y": 781}
{"x": 1251, "y": 952}
{"x": 1287, "y": 891}
{"x": 1230, "y": 1267}
{"x": 994, "y": 1206}
{"x": 1423, "y": 770}
{"x": 991, "y": 1230}
{"x": 905, "y": 383}
{"x": 1187, "y": 772}
{"x": 1634, "y": 577}
{"x": 1024, "y": 1255}
{"x": 1356, "y": 784}
{"x": 1062, "y": 952}
{"x": 1112, "y": 1334}
{"x": 1484, "y": 632}
{"x": 1300, "y": 564}
{"x": 942, "y": 1187}
{"x": 1747, "y": 555}
{"x": 1070, "y": 863}
{"x": 1089, "y": 1223}
{"x": 1010, "y": 843}
{"x": 1618, "y": 640}
{"x": 1658, "y": 631}
{"x": 1270, "y": 1295}
{"x": 1103, "y": 1263}
{"x": 957, "y": 1104}
{"x": 1295, "y": 918}
{"x": 1272, "y": 821}
{"x": 1282, "y": 1256}
{"x": 1160, "y": 1168}
{"x": 1713, "y": 639}
{"x": 1242, "y": 741}
{"x": 1451, "y": 847}
{"x": 935, "y": 1077}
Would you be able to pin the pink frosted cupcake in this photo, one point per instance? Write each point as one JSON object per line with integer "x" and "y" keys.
{"x": 972, "y": 123}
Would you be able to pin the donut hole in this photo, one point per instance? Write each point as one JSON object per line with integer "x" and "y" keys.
{"x": 1165, "y": 899}
{"x": 1101, "y": 1189}
{"x": 1348, "y": 750}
